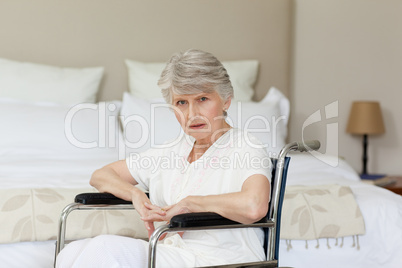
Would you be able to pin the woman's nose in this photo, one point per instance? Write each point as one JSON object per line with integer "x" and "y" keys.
{"x": 192, "y": 110}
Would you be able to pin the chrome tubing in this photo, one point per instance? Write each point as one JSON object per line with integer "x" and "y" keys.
{"x": 312, "y": 145}
{"x": 165, "y": 228}
{"x": 61, "y": 235}
{"x": 153, "y": 241}
{"x": 62, "y": 228}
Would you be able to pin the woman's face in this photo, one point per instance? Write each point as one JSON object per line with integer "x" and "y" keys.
{"x": 201, "y": 115}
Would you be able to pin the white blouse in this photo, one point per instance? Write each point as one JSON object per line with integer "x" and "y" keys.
{"x": 223, "y": 168}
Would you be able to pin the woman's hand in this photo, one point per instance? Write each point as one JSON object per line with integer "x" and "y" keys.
{"x": 169, "y": 212}
{"x": 155, "y": 212}
{"x": 144, "y": 207}
{"x": 176, "y": 209}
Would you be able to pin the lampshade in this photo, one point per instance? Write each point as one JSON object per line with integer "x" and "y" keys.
{"x": 365, "y": 118}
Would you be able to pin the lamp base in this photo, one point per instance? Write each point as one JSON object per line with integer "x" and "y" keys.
{"x": 371, "y": 176}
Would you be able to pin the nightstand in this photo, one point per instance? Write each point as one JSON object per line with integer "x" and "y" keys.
{"x": 395, "y": 187}
{"x": 392, "y": 183}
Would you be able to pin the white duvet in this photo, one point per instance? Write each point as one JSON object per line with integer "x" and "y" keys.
{"x": 382, "y": 213}
{"x": 39, "y": 168}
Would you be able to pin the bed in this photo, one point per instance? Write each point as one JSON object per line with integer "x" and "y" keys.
{"x": 72, "y": 107}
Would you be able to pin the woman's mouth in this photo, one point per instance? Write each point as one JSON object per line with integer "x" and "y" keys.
{"x": 197, "y": 126}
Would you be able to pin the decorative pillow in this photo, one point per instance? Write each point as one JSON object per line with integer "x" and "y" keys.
{"x": 37, "y": 82}
{"x": 143, "y": 78}
{"x": 57, "y": 127}
{"x": 266, "y": 120}
{"x": 147, "y": 123}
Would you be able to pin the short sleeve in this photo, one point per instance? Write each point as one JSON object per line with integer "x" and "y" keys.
{"x": 142, "y": 166}
{"x": 252, "y": 160}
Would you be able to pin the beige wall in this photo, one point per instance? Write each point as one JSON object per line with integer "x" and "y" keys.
{"x": 344, "y": 51}
{"x": 77, "y": 33}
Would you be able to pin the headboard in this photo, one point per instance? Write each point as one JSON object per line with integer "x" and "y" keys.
{"x": 86, "y": 33}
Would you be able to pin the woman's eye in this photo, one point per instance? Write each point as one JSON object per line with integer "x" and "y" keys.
{"x": 181, "y": 102}
{"x": 203, "y": 99}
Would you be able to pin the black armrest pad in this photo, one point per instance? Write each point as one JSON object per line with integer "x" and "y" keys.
{"x": 99, "y": 199}
{"x": 199, "y": 219}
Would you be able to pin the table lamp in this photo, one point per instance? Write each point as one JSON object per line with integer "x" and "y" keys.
{"x": 365, "y": 119}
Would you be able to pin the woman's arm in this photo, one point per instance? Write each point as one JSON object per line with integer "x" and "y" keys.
{"x": 116, "y": 179}
{"x": 247, "y": 206}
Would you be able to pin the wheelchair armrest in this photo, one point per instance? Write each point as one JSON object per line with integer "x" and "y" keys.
{"x": 99, "y": 199}
{"x": 199, "y": 219}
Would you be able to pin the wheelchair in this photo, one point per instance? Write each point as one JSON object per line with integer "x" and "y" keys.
{"x": 204, "y": 220}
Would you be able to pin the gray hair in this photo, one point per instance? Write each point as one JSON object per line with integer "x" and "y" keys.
{"x": 192, "y": 72}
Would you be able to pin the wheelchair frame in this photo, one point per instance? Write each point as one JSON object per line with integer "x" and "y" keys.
{"x": 204, "y": 220}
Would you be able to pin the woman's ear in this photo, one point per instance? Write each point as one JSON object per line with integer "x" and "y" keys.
{"x": 227, "y": 103}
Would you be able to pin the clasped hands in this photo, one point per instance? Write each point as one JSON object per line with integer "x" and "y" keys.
{"x": 153, "y": 213}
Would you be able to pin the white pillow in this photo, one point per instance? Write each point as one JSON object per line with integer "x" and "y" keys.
{"x": 147, "y": 123}
{"x": 37, "y": 82}
{"x": 58, "y": 127}
{"x": 143, "y": 78}
{"x": 266, "y": 120}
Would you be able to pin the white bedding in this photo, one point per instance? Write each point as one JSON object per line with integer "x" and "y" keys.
{"x": 382, "y": 213}
{"x": 27, "y": 254}
{"x": 34, "y": 153}
{"x": 60, "y": 167}
{"x": 38, "y": 168}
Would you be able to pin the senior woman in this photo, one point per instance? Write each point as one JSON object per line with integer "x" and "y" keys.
{"x": 213, "y": 167}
